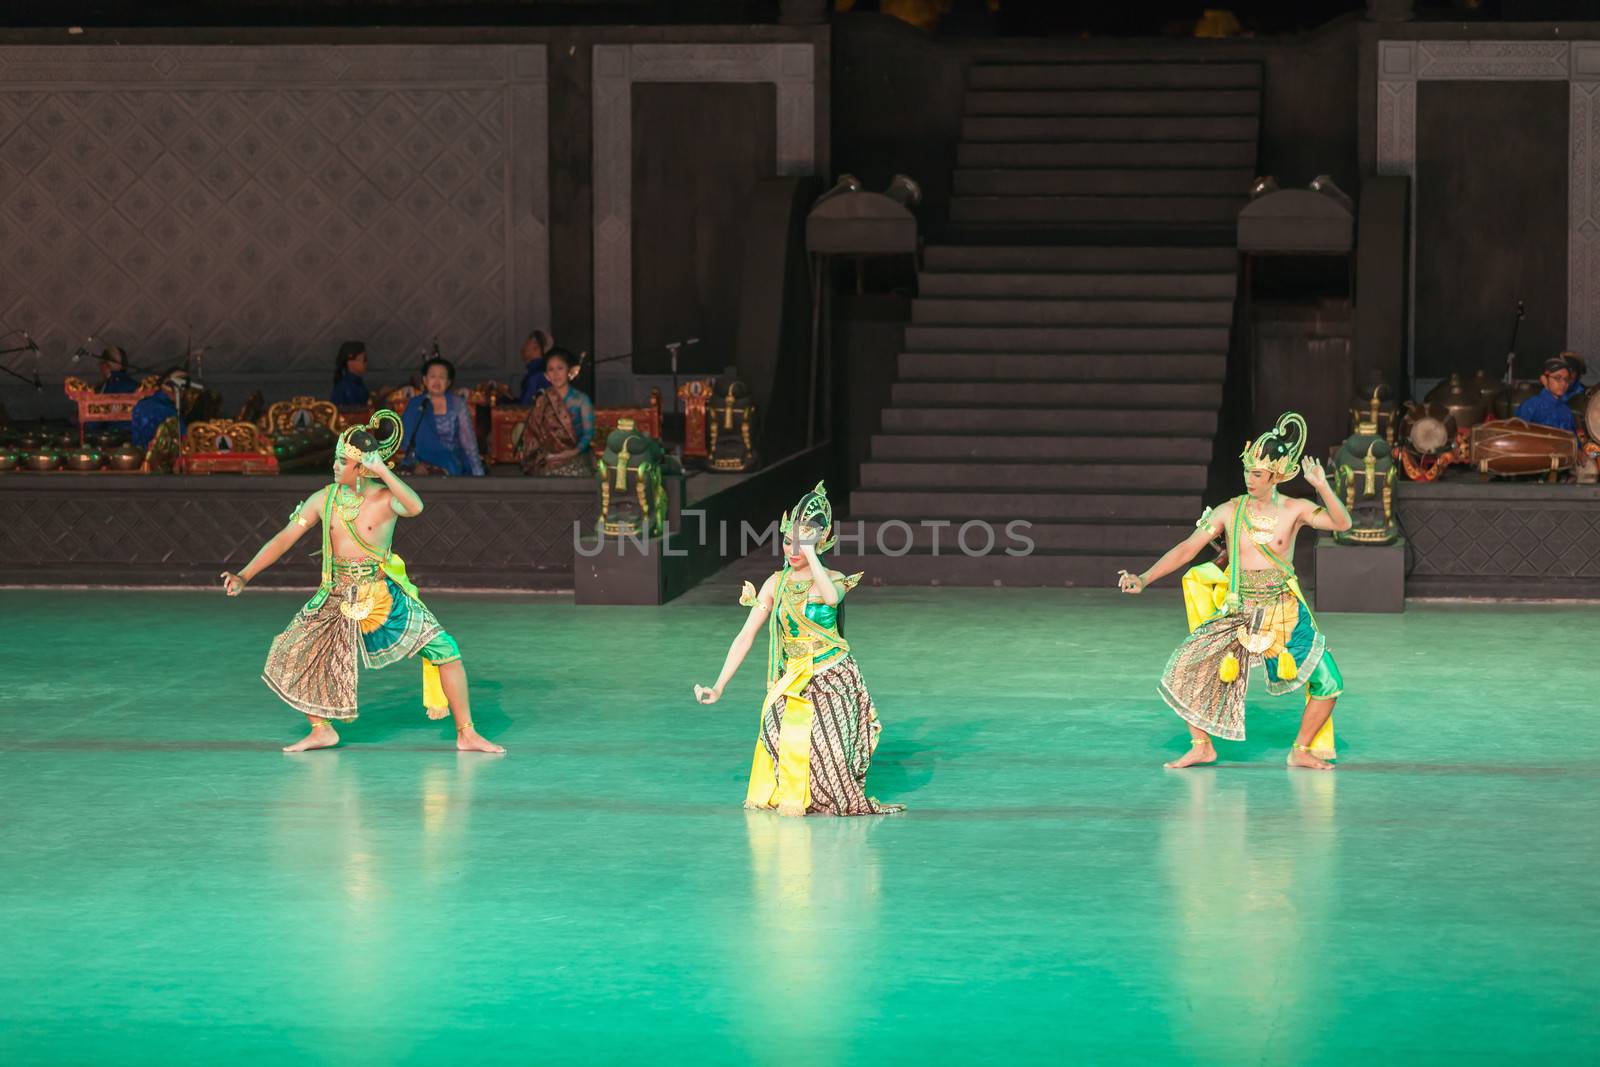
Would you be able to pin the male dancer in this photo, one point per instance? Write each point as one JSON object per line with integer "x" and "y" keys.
{"x": 1255, "y": 615}
{"x": 365, "y": 601}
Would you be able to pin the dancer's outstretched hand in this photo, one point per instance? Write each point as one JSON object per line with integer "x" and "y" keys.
{"x": 1129, "y": 583}
{"x": 1315, "y": 476}
{"x": 232, "y": 584}
{"x": 707, "y": 696}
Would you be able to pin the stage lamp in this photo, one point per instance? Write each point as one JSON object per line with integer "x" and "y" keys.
{"x": 847, "y": 183}
{"x": 1263, "y": 185}
{"x": 904, "y": 191}
{"x": 1323, "y": 184}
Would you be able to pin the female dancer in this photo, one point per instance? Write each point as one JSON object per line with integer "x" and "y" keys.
{"x": 818, "y": 723}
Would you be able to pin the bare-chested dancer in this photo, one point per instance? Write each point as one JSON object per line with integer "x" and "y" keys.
{"x": 365, "y": 604}
{"x": 1258, "y": 617}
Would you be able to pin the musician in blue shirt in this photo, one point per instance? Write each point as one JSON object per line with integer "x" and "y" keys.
{"x": 1549, "y": 406}
{"x": 158, "y": 407}
{"x": 114, "y": 376}
{"x": 349, "y": 391}
{"x": 534, "y": 381}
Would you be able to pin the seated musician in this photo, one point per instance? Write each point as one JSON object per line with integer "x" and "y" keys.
{"x": 1549, "y": 406}
{"x": 438, "y": 427}
{"x": 114, "y": 376}
{"x": 158, "y": 407}
{"x": 1577, "y": 368}
{"x": 534, "y": 381}
{"x": 349, "y": 390}
{"x": 560, "y": 427}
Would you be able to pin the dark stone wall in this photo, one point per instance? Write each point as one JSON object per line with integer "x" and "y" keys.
{"x": 691, "y": 203}
{"x": 1491, "y": 223}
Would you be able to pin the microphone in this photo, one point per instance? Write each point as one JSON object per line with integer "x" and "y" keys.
{"x": 83, "y": 349}
{"x": 38, "y": 386}
{"x": 29, "y": 342}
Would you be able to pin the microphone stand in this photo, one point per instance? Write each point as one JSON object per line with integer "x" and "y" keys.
{"x": 1511, "y": 353}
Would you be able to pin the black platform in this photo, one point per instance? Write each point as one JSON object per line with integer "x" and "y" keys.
{"x": 1472, "y": 538}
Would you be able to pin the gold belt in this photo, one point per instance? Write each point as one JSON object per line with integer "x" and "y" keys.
{"x": 355, "y": 571}
{"x": 801, "y": 649}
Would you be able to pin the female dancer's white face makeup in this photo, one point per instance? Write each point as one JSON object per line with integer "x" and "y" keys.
{"x": 807, "y": 535}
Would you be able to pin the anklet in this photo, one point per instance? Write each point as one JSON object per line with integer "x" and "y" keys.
{"x": 464, "y": 727}
{"x": 1200, "y": 741}
{"x": 317, "y": 724}
{"x": 1303, "y": 748}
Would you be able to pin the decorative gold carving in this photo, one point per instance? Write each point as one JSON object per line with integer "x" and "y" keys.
{"x": 224, "y": 435}
{"x": 301, "y": 413}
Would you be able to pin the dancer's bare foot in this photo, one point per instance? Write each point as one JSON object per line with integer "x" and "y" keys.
{"x": 322, "y": 735}
{"x": 437, "y": 713}
{"x": 1302, "y": 757}
{"x": 469, "y": 740}
{"x": 1199, "y": 754}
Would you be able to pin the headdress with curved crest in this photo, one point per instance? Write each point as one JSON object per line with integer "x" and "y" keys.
{"x": 388, "y": 444}
{"x": 812, "y": 510}
{"x": 1279, "y": 449}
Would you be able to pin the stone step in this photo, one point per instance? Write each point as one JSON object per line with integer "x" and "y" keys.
{"x": 1055, "y": 394}
{"x": 1064, "y": 476}
{"x": 1087, "y": 421}
{"x": 930, "y": 447}
{"x": 1100, "y": 210}
{"x": 1135, "y": 76}
{"x": 1122, "y": 102}
{"x": 973, "y": 284}
{"x": 1046, "y": 312}
{"x": 1060, "y": 367}
{"x": 1058, "y": 128}
{"x": 1102, "y": 154}
{"x": 1099, "y": 339}
{"x": 1177, "y": 181}
{"x": 860, "y": 537}
{"x": 1084, "y": 258}
{"x": 913, "y": 505}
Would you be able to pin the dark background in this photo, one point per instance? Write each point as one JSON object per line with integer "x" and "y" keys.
{"x": 1491, "y": 224}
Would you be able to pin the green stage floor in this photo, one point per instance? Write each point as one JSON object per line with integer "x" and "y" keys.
{"x": 176, "y": 890}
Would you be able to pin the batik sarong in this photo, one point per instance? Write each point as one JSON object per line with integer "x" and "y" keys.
{"x": 366, "y": 616}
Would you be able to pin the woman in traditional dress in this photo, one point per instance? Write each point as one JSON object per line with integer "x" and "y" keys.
{"x": 818, "y": 724}
{"x": 560, "y": 426}
{"x": 438, "y": 427}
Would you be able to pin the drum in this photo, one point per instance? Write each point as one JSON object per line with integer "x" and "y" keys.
{"x": 1585, "y": 409}
{"x": 1428, "y": 429}
{"x": 1512, "y": 447}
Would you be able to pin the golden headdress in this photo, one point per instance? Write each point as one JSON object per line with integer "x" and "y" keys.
{"x": 1279, "y": 449}
{"x": 815, "y": 511}
{"x": 387, "y": 445}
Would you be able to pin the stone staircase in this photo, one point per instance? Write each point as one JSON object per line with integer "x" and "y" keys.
{"x": 1066, "y": 353}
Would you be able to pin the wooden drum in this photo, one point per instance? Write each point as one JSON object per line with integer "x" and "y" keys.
{"x": 1512, "y": 447}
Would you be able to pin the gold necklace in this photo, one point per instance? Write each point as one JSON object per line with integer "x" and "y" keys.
{"x": 347, "y": 502}
{"x": 1262, "y": 530}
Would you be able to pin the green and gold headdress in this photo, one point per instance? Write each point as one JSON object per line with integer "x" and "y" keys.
{"x": 387, "y": 445}
{"x": 813, "y": 510}
{"x": 1279, "y": 449}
